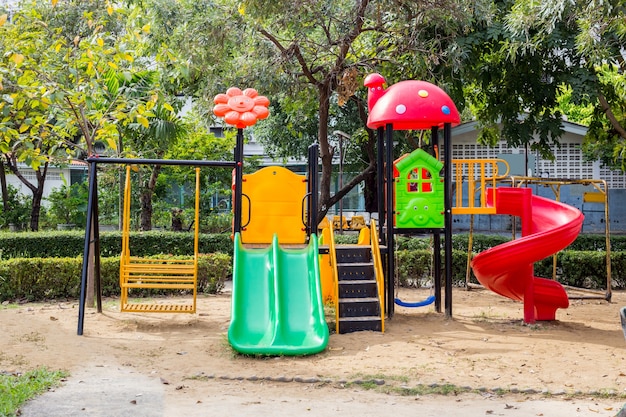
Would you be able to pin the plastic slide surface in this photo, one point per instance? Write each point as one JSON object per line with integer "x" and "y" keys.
{"x": 548, "y": 226}
{"x": 277, "y": 304}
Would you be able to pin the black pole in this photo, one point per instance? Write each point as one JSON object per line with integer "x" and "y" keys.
{"x": 181, "y": 162}
{"x": 86, "y": 251}
{"x": 238, "y": 181}
{"x": 447, "y": 143}
{"x": 380, "y": 182}
{"x": 96, "y": 245}
{"x": 436, "y": 235}
{"x": 312, "y": 189}
{"x": 389, "y": 220}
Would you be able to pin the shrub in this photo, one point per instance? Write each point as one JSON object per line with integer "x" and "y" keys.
{"x": 36, "y": 279}
{"x": 71, "y": 243}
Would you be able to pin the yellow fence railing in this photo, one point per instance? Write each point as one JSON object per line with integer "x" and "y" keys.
{"x": 472, "y": 178}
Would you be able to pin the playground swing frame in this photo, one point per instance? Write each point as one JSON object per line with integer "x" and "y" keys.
{"x": 92, "y": 233}
{"x": 157, "y": 273}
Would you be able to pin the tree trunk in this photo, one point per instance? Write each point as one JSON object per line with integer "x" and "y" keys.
{"x": 145, "y": 199}
{"x": 3, "y": 186}
{"x": 326, "y": 153}
{"x": 35, "y": 210}
{"x": 36, "y": 190}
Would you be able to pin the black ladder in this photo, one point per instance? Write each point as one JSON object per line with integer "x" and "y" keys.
{"x": 359, "y": 305}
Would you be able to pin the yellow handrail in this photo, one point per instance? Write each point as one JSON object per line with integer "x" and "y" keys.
{"x": 378, "y": 268}
{"x": 333, "y": 262}
{"x": 479, "y": 174}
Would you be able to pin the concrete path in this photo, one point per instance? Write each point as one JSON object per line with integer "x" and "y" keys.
{"x": 99, "y": 391}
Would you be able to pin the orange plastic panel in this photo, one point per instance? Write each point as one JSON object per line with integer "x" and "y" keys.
{"x": 274, "y": 205}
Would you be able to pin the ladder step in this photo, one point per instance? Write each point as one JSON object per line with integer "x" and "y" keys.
{"x": 357, "y": 289}
{"x": 359, "y": 300}
{"x": 359, "y": 307}
{"x": 357, "y": 324}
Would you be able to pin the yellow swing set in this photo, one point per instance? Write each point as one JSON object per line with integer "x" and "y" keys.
{"x": 157, "y": 273}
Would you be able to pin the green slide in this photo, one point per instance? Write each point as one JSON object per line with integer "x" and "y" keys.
{"x": 277, "y": 304}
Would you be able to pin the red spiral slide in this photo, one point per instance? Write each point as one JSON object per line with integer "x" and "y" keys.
{"x": 548, "y": 226}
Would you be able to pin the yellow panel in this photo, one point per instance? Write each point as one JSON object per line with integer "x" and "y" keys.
{"x": 326, "y": 269}
{"x": 275, "y": 206}
{"x": 594, "y": 197}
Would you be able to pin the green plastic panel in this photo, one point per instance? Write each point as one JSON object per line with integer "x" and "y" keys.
{"x": 277, "y": 304}
{"x": 419, "y": 192}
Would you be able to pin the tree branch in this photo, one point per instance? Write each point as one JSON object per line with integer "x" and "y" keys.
{"x": 604, "y": 104}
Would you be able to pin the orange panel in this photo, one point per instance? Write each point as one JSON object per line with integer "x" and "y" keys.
{"x": 274, "y": 205}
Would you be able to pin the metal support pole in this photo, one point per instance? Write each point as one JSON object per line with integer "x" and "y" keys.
{"x": 86, "y": 249}
{"x": 380, "y": 182}
{"x": 238, "y": 182}
{"x": 313, "y": 189}
{"x": 96, "y": 245}
{"x": 447, "y": 143}
{"x": 389, "y": 221}
{"x": 436, "y": 236}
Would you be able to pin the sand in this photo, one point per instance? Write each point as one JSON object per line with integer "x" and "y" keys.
{"x": 576, "y": 364}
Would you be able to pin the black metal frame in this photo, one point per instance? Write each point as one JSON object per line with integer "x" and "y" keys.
{"x": 386, "y": 212}
{"x": 312, "y": 189}
{"x": 92, "y": 211}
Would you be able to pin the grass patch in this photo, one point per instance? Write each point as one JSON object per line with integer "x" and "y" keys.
{"x": 15, "y": 390}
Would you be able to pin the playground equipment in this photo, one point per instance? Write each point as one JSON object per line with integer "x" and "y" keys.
{"x": 507, "y": 269}
{"x": 353, "y": 280}
{"x": 277, "y": 304}
{"x": 282, "y": 274}
{"x": 413, "y": 105}
{"x": 599, "y": 196}
{"x": 136, "y": 272}
{"x": 154, "y": 273}
{"x": 412, "y": 202}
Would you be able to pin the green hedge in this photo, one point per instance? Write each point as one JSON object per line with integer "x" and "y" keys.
{"x": 71, "y": 243}
{"x": 583, "y": 269}
{"x": 36, "y": 279}
{"x": 583, "y": 264}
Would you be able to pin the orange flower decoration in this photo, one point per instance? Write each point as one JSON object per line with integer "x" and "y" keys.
{"x": 241, "y": 108}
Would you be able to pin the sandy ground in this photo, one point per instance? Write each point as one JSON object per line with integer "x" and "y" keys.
{"x": 182, "y": 364}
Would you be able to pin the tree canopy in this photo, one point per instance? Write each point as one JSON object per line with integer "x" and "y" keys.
{"x": 74, "y": 72}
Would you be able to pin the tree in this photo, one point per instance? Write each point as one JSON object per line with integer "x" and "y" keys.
{"x": 522, "y": 58}
{"x": 309, "y": 58}
{"x": 66, "y": 87}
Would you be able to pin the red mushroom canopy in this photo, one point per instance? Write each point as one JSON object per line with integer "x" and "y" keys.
{"x": 411, "y": 105}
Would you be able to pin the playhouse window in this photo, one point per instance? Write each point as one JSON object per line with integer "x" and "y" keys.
{"x": 419, "y": 180}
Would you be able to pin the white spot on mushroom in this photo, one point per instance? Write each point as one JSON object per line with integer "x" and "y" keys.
{"x": 400, "y": 109}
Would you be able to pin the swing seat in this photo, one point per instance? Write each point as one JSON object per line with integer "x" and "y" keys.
{"x": 173, "y": 274}
{"x": 423, "y": 303}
